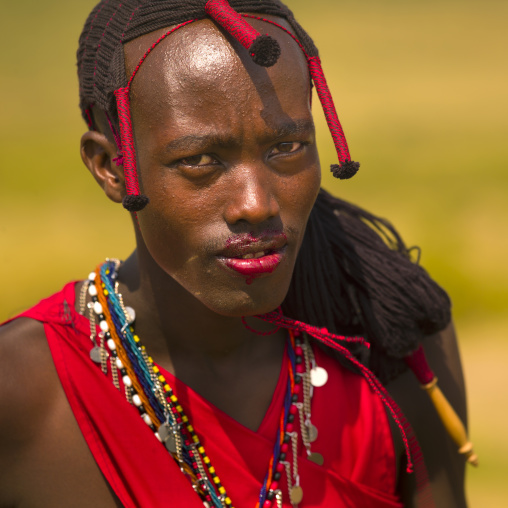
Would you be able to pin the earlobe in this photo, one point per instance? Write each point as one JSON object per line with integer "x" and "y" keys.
{"x": 97, "y": 152}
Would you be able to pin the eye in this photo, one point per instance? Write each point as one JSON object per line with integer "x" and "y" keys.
{"x": 198, "y": 160}
{"x": 286, "y": 147}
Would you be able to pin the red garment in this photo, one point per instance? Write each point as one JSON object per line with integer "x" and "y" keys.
{"x": 354, "y": 434}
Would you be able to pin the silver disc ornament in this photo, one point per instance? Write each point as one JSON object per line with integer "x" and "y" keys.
{"x": 95, "y": 354}
{"x": 317, "y": 458}
{"x": 312, "y": 432}
{"x": 167, "y": 437}
{"x": 296, "y": 494}
{"x": 318, "y": 376}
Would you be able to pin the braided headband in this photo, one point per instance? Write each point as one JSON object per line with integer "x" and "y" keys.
{"x": 265, "y": 51}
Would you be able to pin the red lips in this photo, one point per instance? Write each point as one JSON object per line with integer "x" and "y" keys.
{"x": 271, "y": 245}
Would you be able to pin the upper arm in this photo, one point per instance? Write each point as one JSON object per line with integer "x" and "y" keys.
{"x": 445, "y": 466}
{"x": 28, "y": 385}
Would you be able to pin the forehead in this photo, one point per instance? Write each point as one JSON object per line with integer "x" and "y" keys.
{"x": 199, "y": 63}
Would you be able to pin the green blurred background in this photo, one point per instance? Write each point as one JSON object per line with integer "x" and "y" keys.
{"x": 421, "y": 89}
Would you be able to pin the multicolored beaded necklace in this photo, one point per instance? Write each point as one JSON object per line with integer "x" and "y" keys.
{"x": 148, "y": 390}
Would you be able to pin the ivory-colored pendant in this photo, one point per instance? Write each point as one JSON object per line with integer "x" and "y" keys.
{"x": 318, "y": 376}
{"x": 95, "y": 354}
{"x": 317, "y": 458}
{"x": 296, "y": 494}
{"x": 131, "y": 315}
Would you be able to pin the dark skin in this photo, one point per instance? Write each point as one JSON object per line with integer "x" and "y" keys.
{"x": 224, "y": 147}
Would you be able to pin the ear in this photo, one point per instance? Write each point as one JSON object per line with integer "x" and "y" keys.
{"x": 97, "y": 153}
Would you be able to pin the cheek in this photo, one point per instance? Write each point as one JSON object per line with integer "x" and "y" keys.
{"x": 301, "y": 192}
{"x": 170, "y": 228}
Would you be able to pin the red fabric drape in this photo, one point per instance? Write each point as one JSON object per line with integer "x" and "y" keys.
{"x": 354, "y": 435}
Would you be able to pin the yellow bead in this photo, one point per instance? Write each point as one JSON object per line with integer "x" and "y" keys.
{"x": 228, "y": 500}
{"x": 216, "y": 480}
{"x": 206, "y": 460}
{"x": 136, "y": 338}
{"x": 185, "y": 419}
{"x": 173, "y": 398}
{"x": 106, "y": 292}
{"x": 222, "y": 490}
{"x": 190, "y": 428}
{"x": 167, "y": 387}
{"x": 201, "y": 449}
{"x": 155, "y": 369}
{"x": 195, "y": 439}
{"x": 162, "y": 379}
{"x": 179, "y": 408}
{"x": 211, "y": 468}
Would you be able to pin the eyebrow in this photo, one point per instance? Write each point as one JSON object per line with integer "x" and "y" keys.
{"x": 198, "y": 142}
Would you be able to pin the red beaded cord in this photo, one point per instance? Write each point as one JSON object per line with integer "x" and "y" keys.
{"x": 134, "y": 201}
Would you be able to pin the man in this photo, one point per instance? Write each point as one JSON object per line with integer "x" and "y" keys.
{"x": 151, "y": 383}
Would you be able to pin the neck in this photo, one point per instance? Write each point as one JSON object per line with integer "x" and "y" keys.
{"x": 173, "y": 323}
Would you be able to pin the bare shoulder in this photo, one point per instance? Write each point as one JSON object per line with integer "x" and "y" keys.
{"x": 444, "y": 464}
{"x": 28, "y": 379}
{"x": 28, "y": 387}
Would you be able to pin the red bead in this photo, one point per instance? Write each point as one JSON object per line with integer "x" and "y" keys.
{"x": 297, "y": 388}
{"x": 289, "y": 427}
{"x": 267, "y": 504}
{"x": 284, "y": 447}
{"x": 279, "y": 468}
{"x": 300, "y": 368}
{"x": 274, "y": 485}
{"x": 293, "y": 409}
{"x": 298, "y": 351}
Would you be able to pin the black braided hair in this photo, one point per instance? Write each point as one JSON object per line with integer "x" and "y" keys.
{"x": 353, "y": 274}
{"x": 111, "y": 24}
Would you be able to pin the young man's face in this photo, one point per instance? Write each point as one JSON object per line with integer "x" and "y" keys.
{"x": 227, "y": 155}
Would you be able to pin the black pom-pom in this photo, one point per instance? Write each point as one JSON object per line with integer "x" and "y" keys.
{"x": 265, "y": 51}
{"x": 346, "y": 170}
{"x": 135, "y": 203}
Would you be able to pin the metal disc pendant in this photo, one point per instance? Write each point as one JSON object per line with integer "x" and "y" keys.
{"x": 312, "y": 432}
{"x": 95, "y": 354}
{"x": 164, "y": 431}
{"x": 318, "y": 376}
{"x": 167, "y": 437}
{"x": 170, "y": 443}
{"x": 317, "y": 458}
{"x": 296, "y": 494}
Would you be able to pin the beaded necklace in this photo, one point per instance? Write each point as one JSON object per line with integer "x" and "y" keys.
{"x": 147, "y": 389}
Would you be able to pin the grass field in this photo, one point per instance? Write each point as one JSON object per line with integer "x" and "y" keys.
{"x": 421, "y": 91}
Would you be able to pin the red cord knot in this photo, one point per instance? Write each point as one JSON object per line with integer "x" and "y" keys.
{"x": 135, "y": 203}
{"x": 263, "y": 49}
{"x": 346, "y": 170}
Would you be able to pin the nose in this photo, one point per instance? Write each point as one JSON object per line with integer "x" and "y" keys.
{"x": 252, "y": 197}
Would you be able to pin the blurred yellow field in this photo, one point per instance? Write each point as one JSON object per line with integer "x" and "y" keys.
{"x": 420, "y": 88}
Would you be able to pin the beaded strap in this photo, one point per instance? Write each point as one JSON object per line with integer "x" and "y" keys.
{"x": 147, "y": 389}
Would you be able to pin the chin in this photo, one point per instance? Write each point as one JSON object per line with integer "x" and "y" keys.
{"x": 257, "y": 298}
